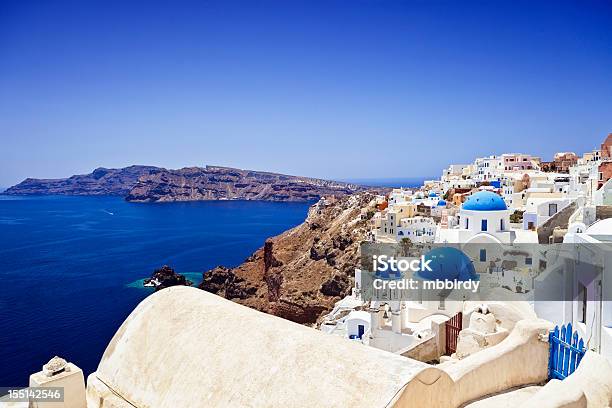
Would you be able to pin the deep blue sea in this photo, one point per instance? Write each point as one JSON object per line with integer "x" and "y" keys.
{"x": 70, "y": 266}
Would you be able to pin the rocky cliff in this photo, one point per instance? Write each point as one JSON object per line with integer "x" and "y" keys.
{"x": 101, "y": 181}
{"x": 154, "y": 184}
{"x": 300, "y": 274}
{"x": 224, "y": 183}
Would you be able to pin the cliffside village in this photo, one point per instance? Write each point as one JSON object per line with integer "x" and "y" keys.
{"x": 518, "y": 347}
{"x": 543, "y": 200}
{"x": 511, "y": 201}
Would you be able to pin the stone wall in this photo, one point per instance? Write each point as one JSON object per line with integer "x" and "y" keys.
{"x": 424, "y": 351}
{"x": 521, "y": 359}
{"x": 603, "y": 212}
{"x": 560, "y": 219}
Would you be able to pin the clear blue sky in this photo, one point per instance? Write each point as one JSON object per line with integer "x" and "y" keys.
{"x": 333, "y": 89}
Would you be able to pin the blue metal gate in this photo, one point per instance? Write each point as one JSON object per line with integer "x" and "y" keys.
{"x": 565, "y": 352}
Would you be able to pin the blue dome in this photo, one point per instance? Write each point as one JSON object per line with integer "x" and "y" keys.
{"x": 441, "y": 203}
{"x": 484, "y": 201}
{"x": 448, "y": 263}
{"x": 432, "y": 194}
{"x": 388, "y": 275}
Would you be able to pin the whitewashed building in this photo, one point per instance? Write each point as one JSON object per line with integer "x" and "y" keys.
{"x": 418, "y": 229}
{"x": 538, "y": 210}
{"x": 484, "y": 218}
{"x": 589, "y": 285}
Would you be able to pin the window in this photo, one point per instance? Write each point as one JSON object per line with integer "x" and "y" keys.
{"x": 467, "y": 223}
{"x": 582, "y": 302}
{"x": 501, "y": 224}
{"x": 552, "y": 209}
{"x": 528, "y": 261}
{"x": 483, "y": 225}
{"x": 483, "y": 255}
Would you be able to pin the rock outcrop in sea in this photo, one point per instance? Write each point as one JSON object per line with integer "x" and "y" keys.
{"x": 300, "y": 274}
{"x": 165, "y": 277}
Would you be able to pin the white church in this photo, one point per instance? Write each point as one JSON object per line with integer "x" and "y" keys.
{"x": 485, "y": 218}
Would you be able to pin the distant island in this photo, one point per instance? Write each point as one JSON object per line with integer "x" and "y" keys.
{"x": 155, "y": 184}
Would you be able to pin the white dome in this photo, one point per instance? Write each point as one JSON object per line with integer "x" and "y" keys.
{"x": 184, "y": 347}
{"x": 601, "y": 227}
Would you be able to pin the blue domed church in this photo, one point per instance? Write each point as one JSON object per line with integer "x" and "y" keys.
{"x": 484, "y": 218}
{"x": 448, "y": 263}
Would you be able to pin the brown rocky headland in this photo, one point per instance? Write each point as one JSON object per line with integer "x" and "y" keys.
{"x": 300, "y": 274}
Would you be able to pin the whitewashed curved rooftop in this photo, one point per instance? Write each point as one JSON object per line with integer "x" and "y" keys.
{"x": 601, "y": 227}
{"x": 183, "y": 347}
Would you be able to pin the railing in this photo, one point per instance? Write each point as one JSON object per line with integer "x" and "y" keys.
{"x": 566, "y": 351}
{"x": 453, "y": 327}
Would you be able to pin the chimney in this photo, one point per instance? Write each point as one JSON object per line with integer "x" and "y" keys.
{"x": 60, "y": 373}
